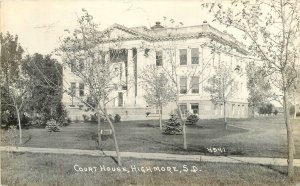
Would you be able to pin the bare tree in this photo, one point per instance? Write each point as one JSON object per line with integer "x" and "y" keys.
{"x": 222, "y": 87}
{"x": 17, "y": 97}
{"x": 87, "y": 53}
{"x": 171, "y": 63}
{"x": 271, "y": 29}
{"x": 158, "y": 91}
{"x": 14, "y": 85}
{"x": 258, "y": 85}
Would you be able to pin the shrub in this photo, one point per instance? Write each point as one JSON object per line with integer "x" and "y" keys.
{"x": 64, "y": 122}
{"x": 38, "y": 121}
{"x": 94, "y": 117}
{"x": 147, "y": 114}
{"x": 25, "y": 120}
{"x": 117, "y": 118}
{"x": 110, "y": 118}
{"x": 266, "y": 109}
{"x": 85, "y": 117}
{"x": 192, "y": 119}
{"x": 298, "y": 114}
{"x": 173, "y": 126}
{"x": 275, "y": 112}
{"x": 52, "y": 126}
{"x": 8, "y": 118}
{"x": 60, "y": 113}
{"x": 292, "y": 110}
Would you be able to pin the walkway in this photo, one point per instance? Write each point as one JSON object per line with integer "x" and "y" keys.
{"x": 156, "y": 156}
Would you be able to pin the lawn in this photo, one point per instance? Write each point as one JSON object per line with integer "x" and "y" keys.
{"x": 49, "y": 169}
{"x": 260, "y": 137}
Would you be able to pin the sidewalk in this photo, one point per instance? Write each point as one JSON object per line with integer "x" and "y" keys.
{"x": 156, "y": 156}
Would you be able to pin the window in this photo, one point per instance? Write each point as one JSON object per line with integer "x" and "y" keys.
{"x": 116, "y": 56}
{"x": 81, "y": 65}
{"x": 159, "y": 58}
{"x": 241, "y": 89}
{"x": 195, "y": 55}
{"x": 183, "y": 85}
{"x": 120, "y": 99}
{"x": 195, "y": 108}
{"x": 231, "y": 62}
{"x": 233, "y": 109}
{"x": 73, "y": 66}
{"x": 195, "y": 84}
{"x": 81, "y": 89}
{"x": 215, "y": 60}
{"x": 120, "y": 70}
{"x": 157, "y": 110}
{"x": 103, "y": 57}
{"x": 183, "y": 56}
{"x": 73, "y": 89}
{"x": 183, "y": 108}
{"x": 216, "y": 108}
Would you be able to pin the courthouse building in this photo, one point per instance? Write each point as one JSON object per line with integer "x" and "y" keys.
{"x": 191, "y": 51}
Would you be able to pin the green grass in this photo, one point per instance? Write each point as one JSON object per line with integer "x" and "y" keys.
{"x": 48, "y": 169}
{"x": 260, "y": 137}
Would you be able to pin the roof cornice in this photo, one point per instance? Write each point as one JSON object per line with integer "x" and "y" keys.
{"x": 207, "y": 31}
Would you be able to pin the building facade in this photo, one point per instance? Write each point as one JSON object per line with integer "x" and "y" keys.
{"x": 190, "y": 49}
{"x": 297, "y": 86}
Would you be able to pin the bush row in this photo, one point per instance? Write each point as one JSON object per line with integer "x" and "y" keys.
{"x": 94, "y": 118}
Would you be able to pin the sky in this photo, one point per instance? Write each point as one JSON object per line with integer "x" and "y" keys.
{"x": 39, "y": 24}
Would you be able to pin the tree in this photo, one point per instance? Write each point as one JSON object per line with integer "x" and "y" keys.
{"x": 295, "y": 92}
{"x": 172, "y": 64}
{"x": 266, "y": 109}
{"x": 11, "y": 55}
{"x": 45, "y": 75}
{"x": 258, "y": 86}
{"x": 171, "y": 60}
{"x": 222, "y": 88}
{"x": 271, "y": 29}
{"x": 86, "y": 52}
{"x": 173, "y": 126}
{"x": 269, "y": 108}
{"x": 14, "y": 84}
{"x": 17, "y": 93}
{"x": 158, "y": 92}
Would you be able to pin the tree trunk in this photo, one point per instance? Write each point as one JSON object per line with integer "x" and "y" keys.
{"x": 183, "y": 126}
{"x": 184, "y": 135}
{"x": 99, "y": 129}
{"x": 295, "y": 112}
{"x": 225, "y": 118}
{"x": 115, "y": 138}
{"x": 160, "y": 118}
{"x": 19, "y": 122}
{"x": 289, "y": 136}
{"x": 253, "y": 111}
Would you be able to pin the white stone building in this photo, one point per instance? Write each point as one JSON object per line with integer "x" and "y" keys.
{"x": 142, "y": 46}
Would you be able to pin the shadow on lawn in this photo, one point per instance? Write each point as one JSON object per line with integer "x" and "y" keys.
{"x": 175, "y": 148}
{"x": 29, "y": 138}
{"x": 271, "y": 167}
{"x": 275, "y": 169}
{"x": 153, "y": 125}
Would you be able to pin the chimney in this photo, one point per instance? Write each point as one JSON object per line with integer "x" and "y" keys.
{"x": 156, "y": 26}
